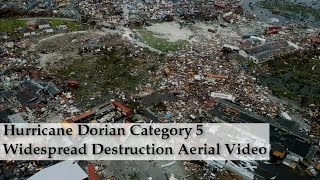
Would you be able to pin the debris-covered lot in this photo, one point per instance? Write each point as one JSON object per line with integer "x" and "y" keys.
{"x": 104, "y": 66}
{"x": 295, "y": 76}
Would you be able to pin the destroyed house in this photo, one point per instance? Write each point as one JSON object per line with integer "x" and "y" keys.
{"x": 278, "y": 150}
{"x": 7, "y": 99}
{"x": 267, "y": 51}
{"x": 271, "y": 28}
{"x": 27, "y": 32}
{"x": 265, "y": 171}
{"x": 104, "y": 109}
{"x": 219, "y": 5}
{"x": 293, "y": 140}
{"x": 73, "y": 84}
{"x": 248, "y": 35}
{"x": 288, "y": 123}
{"x": 278, "y": 171}
{"x": 215, "y": 76}
{"x": 271, "y": 32}
{"x": 91, "y": 47}
{"x": 315, "y": 40}
{"x": 42, "y": 24}
{"x": 63, "y": 27}
{"x": 52, "y": 90}
{"x": 16, "y": 118}
{"x": 229, "y": 48}
{"x": 32, "y": 86}
{"x": 3, "y": 35}
{"x": 26, "y": 98}
{"x": 292, "y": 160}
{"x": 125, "y": 110}
{"x": 84, "y": 117}
{"x": 108, "y": 25}
{"x": 2, "y": 52}
{"x": 285, "y": 172}
{"x": 92, "y": 172}
{"x": 4, "y": 115}
{"x": 33, "y": 26}
{"x": 312, "y": 152}
{"x": 32, "y": 4}
{"x": 48, "y": 30}
{"x": 39, "y": 87}
{"x": 68, "y": 123}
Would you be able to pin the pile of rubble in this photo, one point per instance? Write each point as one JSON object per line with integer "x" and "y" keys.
{"x": 194, "y": 78}
{"x": 22, "y": 169}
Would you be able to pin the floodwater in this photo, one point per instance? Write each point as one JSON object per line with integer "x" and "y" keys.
{"x": 278, "y": 19}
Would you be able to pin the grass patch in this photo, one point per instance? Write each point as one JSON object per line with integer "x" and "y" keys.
{"x": 10, "y": 25}
{"x": 72, "y": 25}
{"x": 164, "y": 45}
{"x": 290, "y": 9}
{"x": 56, "y": 22}
{"x": 75, "y": 26}
{"x": 100, "y": 74}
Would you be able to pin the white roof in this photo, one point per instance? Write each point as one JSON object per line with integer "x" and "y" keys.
{"x": 66, "y": 170}
{"x": 16, "y": 118}
{"x": 231, "y": 47}
{"x": 286, "y": 115}
{"x": 223, "y": 96}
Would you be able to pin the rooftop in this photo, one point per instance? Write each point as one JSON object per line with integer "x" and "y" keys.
{"x": 16, "y": 118}
{"x": 65, "y": 170}
{"x": 292, "y": 139}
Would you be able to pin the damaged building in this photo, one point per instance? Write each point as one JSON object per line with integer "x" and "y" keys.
{"x": 268, "y": 51}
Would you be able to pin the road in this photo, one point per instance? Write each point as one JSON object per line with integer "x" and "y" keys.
{"x": 47, "y": 18}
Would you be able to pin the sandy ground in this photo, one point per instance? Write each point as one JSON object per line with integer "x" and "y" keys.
{"x": 62, "y": 34}
{"x": 170, "y": 31}
{"x": 53, "y": 38}
{"x": 70, "y": 43}
{"x": 49, "y": 58}
{"x": 66, "y": 39}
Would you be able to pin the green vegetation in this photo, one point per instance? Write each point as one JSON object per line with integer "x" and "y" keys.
{"x": 161, "y": 44}
{"x": 290, "y": 9}
{"x": 294, "y": 76}
{"x": 10, "y": 25}
{"x": 72, "y": 25}
{"x": 56, "y": 22}
{"x": 75, "y": 26}
{"x": 100, "y": 74}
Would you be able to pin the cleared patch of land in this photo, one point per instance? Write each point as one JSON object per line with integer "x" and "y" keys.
{"x": 119, "y": 67}
{"x": 71, "y": 42}
{"x": 156, "y": 41}
{"x": 101, "y": 74}
{"x": 171, "y": 31}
